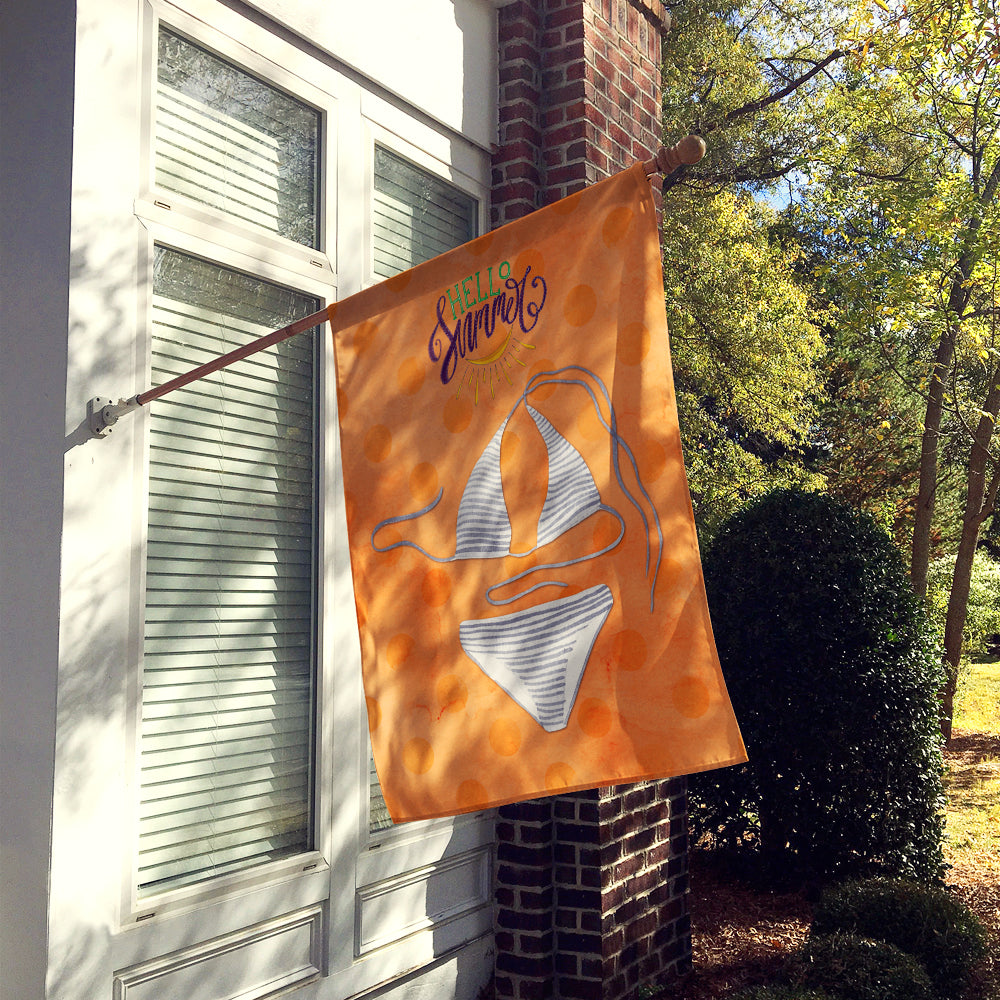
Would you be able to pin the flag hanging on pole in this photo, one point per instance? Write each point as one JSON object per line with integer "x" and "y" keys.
{"x": 528, "y": 586}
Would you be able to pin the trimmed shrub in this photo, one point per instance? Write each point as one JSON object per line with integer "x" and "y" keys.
{"x": 856, "y": 968}
{"x": 833, "y": 672}
{"x": 926, "y": 922}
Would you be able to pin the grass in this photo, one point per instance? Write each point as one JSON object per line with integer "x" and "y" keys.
{"x": 977, "y": 701}
{"x": 973, "y": 784}
{"x": 973, "y": 810}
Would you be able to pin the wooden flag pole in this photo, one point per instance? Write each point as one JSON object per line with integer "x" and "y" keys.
{"x": 103, "y": 413}
{"x": 260, "y": 344}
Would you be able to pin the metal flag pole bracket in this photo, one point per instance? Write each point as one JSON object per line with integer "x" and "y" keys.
{"x": 103, "y": 413}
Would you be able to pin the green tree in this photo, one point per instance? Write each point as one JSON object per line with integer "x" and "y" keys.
{"x": 747, "y": 352}
{"x": 833, "y": 673}
{"x": 747, "y": 77}
{"x": 910, "y": 179}
{"x": 867, "y": 432}
{"x": 747, "y": 357}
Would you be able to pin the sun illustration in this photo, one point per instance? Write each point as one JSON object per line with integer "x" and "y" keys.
{"x": 488, "y": 371}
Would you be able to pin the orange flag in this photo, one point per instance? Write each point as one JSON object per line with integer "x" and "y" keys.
{"x": 528, "y": 587}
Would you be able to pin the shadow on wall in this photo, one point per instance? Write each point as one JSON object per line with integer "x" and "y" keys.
{"x": 93, "y": 712}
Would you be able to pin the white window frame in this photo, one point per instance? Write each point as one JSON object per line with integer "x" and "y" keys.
{"x": 177, "y": 223}
{"x": 350, "y": 870}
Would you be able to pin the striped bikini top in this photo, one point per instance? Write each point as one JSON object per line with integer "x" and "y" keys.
{"x": 483, "y": 528}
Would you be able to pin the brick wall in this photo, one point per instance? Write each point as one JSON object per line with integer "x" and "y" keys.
{"x": 591, "y": 893}
{"x": 591, "y": 888}
{"x": 579, "y": 96}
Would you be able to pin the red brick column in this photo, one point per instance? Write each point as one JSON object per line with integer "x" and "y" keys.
{"x": 591, "y": 888}
{"x": 579, "y": 96}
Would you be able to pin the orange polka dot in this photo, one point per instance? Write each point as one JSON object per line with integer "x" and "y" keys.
{"x": 616, "y": 224}
{"x": 410, "y": 376}
{"x": 378, "y": 443}
{"x": 457, "y": 414}
{"x": 595, "y": 717}
{"x": 399, "y": 649}
{"x": 652, "y": 458}
{"x": 424, "y": 483}
{"x": 362, "y": 611}
{"x": 350, "y": 507}
{"x": 633, "y": 344}
{"x": 364, "y": 334}
{"x": 629, "y": 649}
{"x": 342, "y": 403}
{"x": 606, "y": 531}
{"x": 525, "y": 259}
{"x": 558, "y": 776}
{"x": 436, "y": 588}
{"x": 398, "y": 281}
{"x": 566, "y": 205}
{"x": 418, "y": 756}
{"x": 672, "y": 568}
{"x": 580, "y": 304}
{"x": 471, "y": 794}
{"x": 479, "y": 246}
{"x": 451, "y": 692}
{"x": 510, "y": 443}
{"x": 690, "y": 696}
{"x": 674, "y": 580}
{"x": 505, "y": 737}
{"x": 589, "y": 425}
{"x": 374, "y": 714}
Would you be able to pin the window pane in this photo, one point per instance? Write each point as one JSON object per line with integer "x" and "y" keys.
{"x": 228, "y": 140}
{"x": 228, "y": 655}
{"x": 416, "y": 217}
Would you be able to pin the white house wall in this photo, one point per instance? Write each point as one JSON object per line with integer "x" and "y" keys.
{"x": 429, "y": 52}
{"x": 73, "y": 296}
{"x": 36, "y": 115}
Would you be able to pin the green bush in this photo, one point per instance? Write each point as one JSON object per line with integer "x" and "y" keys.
{"x": 856, "y": 968}
{"x": 925, "y": 922}
{"x": 833, "y": 673}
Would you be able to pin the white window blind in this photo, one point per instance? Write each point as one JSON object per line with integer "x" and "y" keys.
{"x": 416, "y": 216}
{"x": 228, "y": 686}
{"x": 228, "y": 140}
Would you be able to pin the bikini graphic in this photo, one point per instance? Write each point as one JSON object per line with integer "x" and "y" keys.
{"x": 538, "y": 654}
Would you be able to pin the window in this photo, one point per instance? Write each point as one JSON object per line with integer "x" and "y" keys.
{"x": 228, "y": 680}
{"x": 210, "y": 827}
{"x": 229, "y": 647}
{"x": 227, "y": 140}
{"x": 273, "y": 184}
{"x": 416, "y": 216}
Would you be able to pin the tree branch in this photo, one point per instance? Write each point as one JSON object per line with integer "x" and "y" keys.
{"x": 753, "y": 107}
